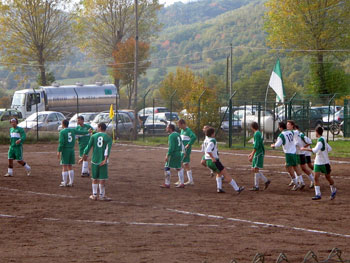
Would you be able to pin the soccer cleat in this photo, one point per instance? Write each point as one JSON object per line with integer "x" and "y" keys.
{"x": 189, "y": 183}
{"x": 85, "y": 175}
{"x": 267, "y": 184}
{"x": 311, "y": 185}
{"x": 180, "y": 186}
{"x": 104, "y": 198}
{"x": 177, "y": 183}
{"x": 69, "y": 185}
{"x": 254, "y": 188}
{"x": 63, "y": 184}
{"x": 8, "y": 175}
{"x": 220, "y": 191}
{"x": 316, "y": 197}
{"x": 296, "y": 187}
{"x": 165, "y": 186}
{"x": 28, "y": 172}
{"x": 241, "y": 188}
{"x": 333, "y": 194}
{"x": 301, "y": 186}
{"x": 291, "y": 183}
{"x": 93, "y": 197}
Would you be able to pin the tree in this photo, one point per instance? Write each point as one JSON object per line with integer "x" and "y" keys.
{"x": 34, "y": 31}
{"x": 123, "y": 69}
{"x": 317, "y": 25}
{"x": 102, "y": 24}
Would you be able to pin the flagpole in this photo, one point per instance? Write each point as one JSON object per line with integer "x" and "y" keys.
{"x": 267, "y": 90}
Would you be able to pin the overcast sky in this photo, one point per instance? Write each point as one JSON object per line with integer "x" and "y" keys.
{"x": 169, "y": 2}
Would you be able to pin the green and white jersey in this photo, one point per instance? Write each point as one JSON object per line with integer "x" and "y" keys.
{"x": 259, "y": 143}
{"x": 286, "y": 139}
{"x": 302, "y": 141}
{"x": 16, "y": 134}
{"x": 210, "y": 146}
{"x": 83, "y": 140}
{"x": 175, "y": 144}
{"x": 321, "y": 149}
{"x": 188, "y": 137}
{"x": 67, "y": 138}
{"x": 102, "y": 144}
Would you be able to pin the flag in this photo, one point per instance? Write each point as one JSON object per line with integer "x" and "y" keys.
{"x": 276, "y": 82}
{"x": 111, "y": 112}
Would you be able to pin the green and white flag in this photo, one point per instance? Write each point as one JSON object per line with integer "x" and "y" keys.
{"x": 276, "y": 82}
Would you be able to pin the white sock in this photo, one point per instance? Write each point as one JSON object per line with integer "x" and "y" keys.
{"x": 64, "y": 177}
{"x": 102, "y": 190}
{"x": 94, "y": 189}
{"x": 85, "y": 167}
{"x": 27, "y": 167}
{"x": 234, "y": 185}
{"x": 219, "y": 182}
{"x": 181, "y": 176}
{"x": 311, "y": 177}
{"x": 189, "y": 175}
{"x": 71, "y": 176}
{"x": 256, "y": 180}
{"x": 263, "y": 177}
{"x": 295, "y": 180}
{"x": 301, "y": 179}
{"x": 167, "y": 177}
{"x": 333, "y": 189}
{"x": 318, "y": 190}
{"x": 10, "y": 171}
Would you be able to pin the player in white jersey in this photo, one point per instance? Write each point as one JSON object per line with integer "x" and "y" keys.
{"x": 286, "y": 140}
{"x": 322, "y": 164}
{"x": 203, "y": 162}
{"x": 213, "y": 162}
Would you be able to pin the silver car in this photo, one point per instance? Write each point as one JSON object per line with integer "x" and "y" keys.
{"x": 125, "y": 126}
{"x": 88, "y": 118}
{"x": 46, "y": 121}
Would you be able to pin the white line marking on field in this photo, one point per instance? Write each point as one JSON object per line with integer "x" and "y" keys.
{"x": 36, "y": 193}
{"x": 256, "y": 223}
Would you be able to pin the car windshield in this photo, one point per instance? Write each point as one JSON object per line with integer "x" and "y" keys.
{"x": 102, "y": 118}
{"x": 161, "y": 110}
{"x": 74, "y": 118}
{"x": 41, "y": 117}
{"x": 174, "y": 117}
{"x": 18, "y": 99}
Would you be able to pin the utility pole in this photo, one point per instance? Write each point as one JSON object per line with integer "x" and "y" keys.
{"x": 136, "y": 66}
{"x": 231, "y": 73}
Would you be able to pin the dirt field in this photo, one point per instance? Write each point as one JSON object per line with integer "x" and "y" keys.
{"x": 42, "y": 222}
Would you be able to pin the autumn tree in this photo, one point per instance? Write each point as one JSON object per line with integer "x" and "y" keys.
{"x": 123, "y": 69}
{"x": 34, "y": 33}
{"x": 102, "y": 24}
{"x": 318, "y": 28}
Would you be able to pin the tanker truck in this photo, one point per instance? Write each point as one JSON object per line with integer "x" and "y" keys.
{"x": 67, "y": 99}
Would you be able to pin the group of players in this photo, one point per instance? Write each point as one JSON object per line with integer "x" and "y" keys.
{"x": 295, "y": 144}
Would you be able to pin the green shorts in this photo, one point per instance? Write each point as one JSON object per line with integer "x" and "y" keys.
{"x": 215, "y": 166}
{"x": 99, "y": 172}
{"x": 258, "y": 160}
{"x": 291, "y": 159}
{"x": 174, "y": 161}
{"x": 67, "y": 156}
{"x": 323, "y": 168}
{"x": 187, "y": 158}
{"x": 15, "y": 153}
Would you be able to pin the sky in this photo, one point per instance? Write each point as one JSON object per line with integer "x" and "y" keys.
{"x": 170, "y": 2}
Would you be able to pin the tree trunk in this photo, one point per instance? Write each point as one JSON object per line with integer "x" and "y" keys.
{"x": 321, "y": 75}
{"x": 42, "y": 68}
{"x": 128, "y": 87}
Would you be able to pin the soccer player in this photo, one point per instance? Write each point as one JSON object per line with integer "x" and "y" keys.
{"x": 188, "y": 139}
{"x": 257, "y": 157}
{"x": 322, "y": 164}
{"x": 203, "y": 162}
{"x": 83, "y": 141}
{"x": 213, "y": 162}
{"x": 286, "y": 140}
{"x": 173, "y": 157}
{"x": 17, "y": 137}
{"x": 304, "y": 142}
{"x": 101, "y": 143}
{"x": 65, "y": 152}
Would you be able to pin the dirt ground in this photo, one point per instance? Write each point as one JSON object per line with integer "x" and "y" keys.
{"x": 42, "y": 222}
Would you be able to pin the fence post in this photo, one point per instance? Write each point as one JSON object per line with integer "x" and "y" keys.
{"x": 329, "y": 109}
{"x": 144, "y": 109}
{"x": 230, "y": 121}
{"x": 171, "y": 104}
{"x": 245, "y": 125}
{"x": 290, "y": 107}
{"x": 199, "y": 115}
{"x": 36, "y": 110}
{"x": 346, "y": 118}
{"x": 153, "y": 117}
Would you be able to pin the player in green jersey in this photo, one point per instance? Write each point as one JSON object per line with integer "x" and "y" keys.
{"x": 83, "y": 141}
{"x": 65, "y": 152}
{"x": 173, "y": 158}
{"x": 257, "y": 158}
{"x": 17, "y": 137}
{"x": 188, "y": 139}
{"x": 101, "y": 144}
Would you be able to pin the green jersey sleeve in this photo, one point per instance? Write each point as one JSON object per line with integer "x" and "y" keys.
{"x": 23, "y": 134}
{"x": 61, "y": 141}
{"x": 90, "y": 144}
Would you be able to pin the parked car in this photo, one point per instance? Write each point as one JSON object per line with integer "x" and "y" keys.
{"x": 47, "y": 121}
{"x": 236, "y": 124}
{"x": 144, "y": 113}
{"x": 6, "y": 115}
{"x": 309, "y": 118}
{"x": 159, "y": 123}
{"x": 324, "y": 110}
{"x": 73, "y": 122}
{"x": 336, "y": 118}
{"x": 132, "y": 117}
{"x": 125, "y": 125}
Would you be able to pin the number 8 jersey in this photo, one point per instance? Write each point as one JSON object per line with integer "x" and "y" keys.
{"x": 286, "y": 139}
{"x": 102, "y": 144}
